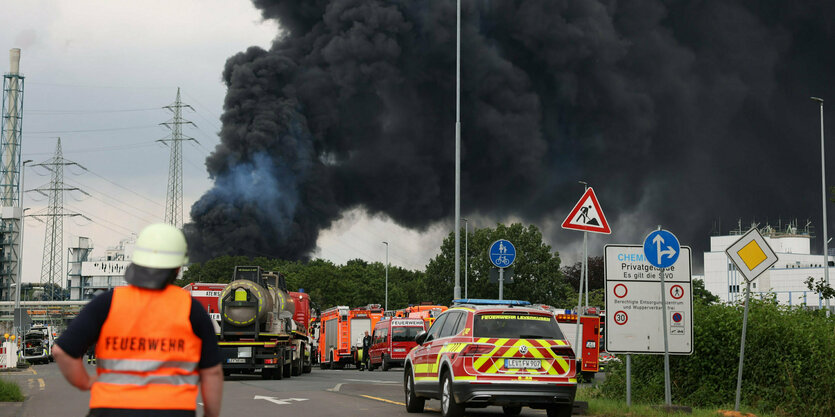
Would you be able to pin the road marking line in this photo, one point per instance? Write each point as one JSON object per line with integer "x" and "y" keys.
{"x": 394, "y": 402}
{"x": 41, "y": 383}
{"x": 335, "y": 388}
{"x": 375, "y": 381}
{"x": 383, "y": 400}
{"x": 34, "y": 372}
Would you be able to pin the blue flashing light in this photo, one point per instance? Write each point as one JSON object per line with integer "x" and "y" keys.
{"x": 485, "y": 302}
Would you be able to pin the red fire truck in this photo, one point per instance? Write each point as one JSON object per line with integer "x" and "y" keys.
{"x": 341, "y": 331}
{"x": 206, "y": 294}
{"x": 589, "y": 360}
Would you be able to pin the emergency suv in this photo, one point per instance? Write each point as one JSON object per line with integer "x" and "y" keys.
{"x": 392, "y": 339}
{"x": 492, "y": 352}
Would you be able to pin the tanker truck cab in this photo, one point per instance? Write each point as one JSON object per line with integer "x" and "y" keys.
{"x": 392, "y": 340}
{"x": 258, "y": 333}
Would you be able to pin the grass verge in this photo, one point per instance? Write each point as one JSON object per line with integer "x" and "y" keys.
{"x": 611, "y": 408}
{"x": 10, "y": 391}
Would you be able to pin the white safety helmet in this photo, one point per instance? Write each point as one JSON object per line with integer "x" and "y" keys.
{"x": 160, "y": 246}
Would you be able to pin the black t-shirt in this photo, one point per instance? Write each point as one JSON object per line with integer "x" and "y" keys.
{"x": 84, "y": 330}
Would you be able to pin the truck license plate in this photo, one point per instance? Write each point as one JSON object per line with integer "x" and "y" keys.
{"x": 236, "y": 360}
{"x": 522, "y": 363}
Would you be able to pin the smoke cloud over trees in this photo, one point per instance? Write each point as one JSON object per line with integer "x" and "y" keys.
{"x": 677, "y": 112}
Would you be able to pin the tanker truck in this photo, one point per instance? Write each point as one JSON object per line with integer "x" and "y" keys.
{"x": 263, "y": 327}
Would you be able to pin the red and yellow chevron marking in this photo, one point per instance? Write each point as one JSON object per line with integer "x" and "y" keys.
{"x": 493, "y": 362}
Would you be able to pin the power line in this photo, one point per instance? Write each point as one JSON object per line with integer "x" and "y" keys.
{"x": 91, "y": 217}
{"x": 154, "y": 218}
{"x": 199, "y": 104}
{"x": 86, "y": 86}
{"x": 104, "y": 148}
{"x": 124, "y": 188}
{"x": 76, "y": 112}
{"x": 93, "y": 130}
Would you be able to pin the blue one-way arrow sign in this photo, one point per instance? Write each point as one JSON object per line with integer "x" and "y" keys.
{"x": 661, "y": 249}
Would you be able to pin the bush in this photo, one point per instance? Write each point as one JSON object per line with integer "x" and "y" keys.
{"x": 789, "y": 362}
{"x": 9, "y": 391}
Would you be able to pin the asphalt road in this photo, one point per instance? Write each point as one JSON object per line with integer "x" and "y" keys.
{"x": 343, "y": 393}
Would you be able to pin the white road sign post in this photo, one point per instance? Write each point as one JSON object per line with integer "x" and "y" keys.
{"x": 586, "y": 216}
{"x": 502, "y": 253}
{"x": 633, "y": 304}
{"x": 752, "y": 256}
{"x": 661, "y": 249}
{"x": 632, "y": 289}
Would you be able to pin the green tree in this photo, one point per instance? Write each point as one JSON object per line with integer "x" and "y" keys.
{"x": 536, "y": 270}
{"x": 701, "y": 294}
{"x": 219, "y": 269}
{"x": 596, "y": 279}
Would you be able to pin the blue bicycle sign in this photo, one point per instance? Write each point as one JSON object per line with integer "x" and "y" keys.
{"x": 502, "y": 253}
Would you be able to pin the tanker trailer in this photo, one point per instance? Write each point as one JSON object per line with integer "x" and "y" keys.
{"x": 258, "y": 333}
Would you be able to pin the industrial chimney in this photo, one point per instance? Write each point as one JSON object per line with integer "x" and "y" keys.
{"x": 14, "y": 58}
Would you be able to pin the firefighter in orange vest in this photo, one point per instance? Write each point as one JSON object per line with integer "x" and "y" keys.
{"x": 155, "y": 345}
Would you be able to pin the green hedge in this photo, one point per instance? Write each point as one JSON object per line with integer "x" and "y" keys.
{"x": 789, "y": 362}
{"x": 9, "y": 391}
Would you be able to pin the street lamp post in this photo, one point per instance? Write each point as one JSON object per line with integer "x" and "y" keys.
{"x": 387, "y": 276}
{"x": 466, "y": 256}
{"x": 18, "y": 314}
{"x": 823, "y": 194}
{"x": 457, "y": 290}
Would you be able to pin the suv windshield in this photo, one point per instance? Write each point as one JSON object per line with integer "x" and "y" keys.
{"x": 404, "y": 334}
{"x": 516, "y": 326}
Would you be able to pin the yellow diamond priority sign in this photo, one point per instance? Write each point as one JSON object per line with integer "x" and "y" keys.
{"x": 751, "y": 254}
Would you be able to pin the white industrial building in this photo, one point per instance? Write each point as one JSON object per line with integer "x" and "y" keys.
{"x": 785, "y": 279}
{"x": 88, "y": 277}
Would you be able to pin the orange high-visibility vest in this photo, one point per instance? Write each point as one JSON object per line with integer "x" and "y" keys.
{"x": 147, "y": 352}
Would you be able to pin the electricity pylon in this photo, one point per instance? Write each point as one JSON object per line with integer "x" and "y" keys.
{"x": 11, "y": 125}
{"x": 174, "y": 196}
{"x": 52, "y": 267}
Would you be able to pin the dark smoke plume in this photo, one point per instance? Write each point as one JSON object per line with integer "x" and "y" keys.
{"x": 677, "y": 112}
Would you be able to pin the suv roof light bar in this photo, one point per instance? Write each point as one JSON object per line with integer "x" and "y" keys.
{"x": 486, "y": 302}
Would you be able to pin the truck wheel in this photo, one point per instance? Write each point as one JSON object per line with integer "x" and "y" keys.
{"x": 307, "y": 368}
{"x": 297, "y": 367}
{"x": 413, "y": 403}
{"x": 385, "y": 363}
{"x": 267, "y": 373}
{"x": 288, "y": 369}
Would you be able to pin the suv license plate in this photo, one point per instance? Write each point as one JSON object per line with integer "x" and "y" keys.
{"x": 236, "y": 360}
{"x": 522, "y": 363}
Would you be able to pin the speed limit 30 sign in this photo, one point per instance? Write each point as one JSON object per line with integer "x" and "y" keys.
{"x": 621, "y": 318}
